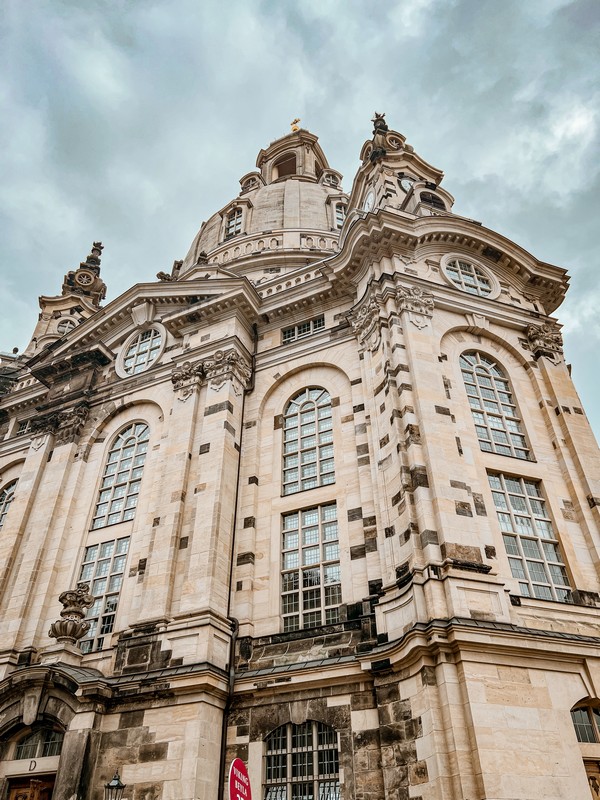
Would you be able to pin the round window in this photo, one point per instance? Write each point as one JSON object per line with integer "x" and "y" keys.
{"x": 141, "y": 351}
{"x": 469, "y": 277}
{"x": 64, "y": 326}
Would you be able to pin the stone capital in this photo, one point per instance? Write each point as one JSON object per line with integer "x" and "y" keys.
{"x": 227, "y": 366}
{"x": 187, "y": 379}
{"x": 417, "y": 303}
{"x": 544, "y": 340}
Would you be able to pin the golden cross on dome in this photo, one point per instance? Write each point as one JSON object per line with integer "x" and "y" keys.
{"x": 294, "y": 124}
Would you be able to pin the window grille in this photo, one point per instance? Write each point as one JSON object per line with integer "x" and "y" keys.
{"x": 23, "y": 427}
{"x": 311, "y": 590}
{"x": 103, "y": 569}
{"x": 302, "y": 763}
{"x": 142, "y": 351}
{"x": 40, "y": 744}
{"x": 534, "y": 553}
{"x": 233, "y": 224}
{"x": 303, "y": 329}
{"x": 120, "y": 487}
{"x": 468, "y": 277}
{"x": 6, "y": 497}
{"x": 308, "y": 441}
{"x": 586, "y": 721}
{"x": 494, "y": 410}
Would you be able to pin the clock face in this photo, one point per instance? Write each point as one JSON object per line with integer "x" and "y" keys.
{"x": 406, "y": 184}
{"x": 369, "y": 202}
{"x": 84, "y": 278}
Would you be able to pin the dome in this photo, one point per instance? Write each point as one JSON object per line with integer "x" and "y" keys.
{"x": 289, "y": 211}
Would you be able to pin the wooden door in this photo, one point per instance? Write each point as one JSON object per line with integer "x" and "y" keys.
{"x": 31, "y": 789}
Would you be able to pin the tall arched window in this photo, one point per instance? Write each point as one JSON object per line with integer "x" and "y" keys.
{"x": 308, "y": 441}
{"x": 494, "y": 409}
{"x": 340, "y": 215}
{"x": 6, "y": 497}
{"x": 122, "y": 475}
{"x": 302, "y": 761}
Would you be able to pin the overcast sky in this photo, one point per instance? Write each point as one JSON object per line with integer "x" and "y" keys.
{"x": 131, "y": 122}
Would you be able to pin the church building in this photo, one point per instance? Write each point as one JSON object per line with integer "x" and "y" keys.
{"x": 322, "y": 498}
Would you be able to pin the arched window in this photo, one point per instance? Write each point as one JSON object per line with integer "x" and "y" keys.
{"x": 284, "y": 166}
{"x": 233, "y": 224}
{"x": 340, "y": 215}
{"x": 308, "y": 441}
{"x": 302, "y": 761}
{"x": 6, "y": 497}
{"x": 494, "y": 410}
{"x": 122, "y": 475}
{"x": 41, "y": 743}
{"x": 432, "y": 200}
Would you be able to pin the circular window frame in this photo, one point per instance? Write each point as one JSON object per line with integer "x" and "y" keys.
{"x": 62, "y": 321}
{"x": 120, "y": 362}
{"x": 494, "y": 283}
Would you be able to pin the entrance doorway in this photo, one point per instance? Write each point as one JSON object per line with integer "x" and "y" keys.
{"x": 38, "y": 788}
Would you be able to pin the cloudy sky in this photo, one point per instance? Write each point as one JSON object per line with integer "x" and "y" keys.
{"x": 132, "y": 122}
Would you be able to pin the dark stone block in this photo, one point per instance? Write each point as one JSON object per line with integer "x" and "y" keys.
{"x": 354, "y": 514}
{"x": 229, "y": 428}
{"x": 360, "y": 407}
{"x": 463, "y": 509}
{"x": 369, "y": 521}
{"x": 249, "y": 522}
{"x": 253, "y": 479}
{"x": 370, "y": 545}
{"x": 389, "y": 531}
{"x": 363, "y": 461}
{"x": 362, "y": 449}
{"x": 183, "y": 542}
{"x": 204, "y": 448}
{"x": 214, "y": 409}
{"x": 443, "y": 410}
{"x": 429, "y": 537}
{"x": 357, "y": 551}
{"x": 131, "y": 719}
{"x": 490, "y": 551}
{"x": 375, "y": 586}
{"x": 384, "y": 440}
{"x": 245, "y": 558}
{"x": 480, "y": 509}
{"x": 428, "y": 677}
{"x": 459, "y": 485}
{"x": 157, "y": 751}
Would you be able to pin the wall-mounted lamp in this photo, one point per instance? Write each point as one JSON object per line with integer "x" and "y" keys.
{"x": 114, "y": 789}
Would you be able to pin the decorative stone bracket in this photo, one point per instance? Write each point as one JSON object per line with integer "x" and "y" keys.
{"x": 72, "y": 627}
{"x": 417, "y": 302}
{"x": 544, "y": 340}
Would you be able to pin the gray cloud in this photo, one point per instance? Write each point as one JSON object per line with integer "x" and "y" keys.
{"x": 132, "y": 122}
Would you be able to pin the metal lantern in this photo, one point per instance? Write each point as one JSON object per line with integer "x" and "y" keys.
{"x": 114, "y": 789}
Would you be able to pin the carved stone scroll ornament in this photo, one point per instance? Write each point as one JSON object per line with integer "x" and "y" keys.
{"x": 417, "y": 302}
{"x": 72, "y": 627}
{"x": 365, "y": 324}
{"x": 544, "y": 340}
{"x": 227, "y": 366}
{"x": 187, "y": 379}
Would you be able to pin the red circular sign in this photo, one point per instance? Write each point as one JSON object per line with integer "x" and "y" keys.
{"x": 239, "y": 782}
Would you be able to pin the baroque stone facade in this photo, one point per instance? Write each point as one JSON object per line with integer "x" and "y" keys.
{"x": 329, "y": 500}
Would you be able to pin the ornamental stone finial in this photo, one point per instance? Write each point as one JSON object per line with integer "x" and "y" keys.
{"x": 72, "y": 626}
{"x": 380, "y": 130}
